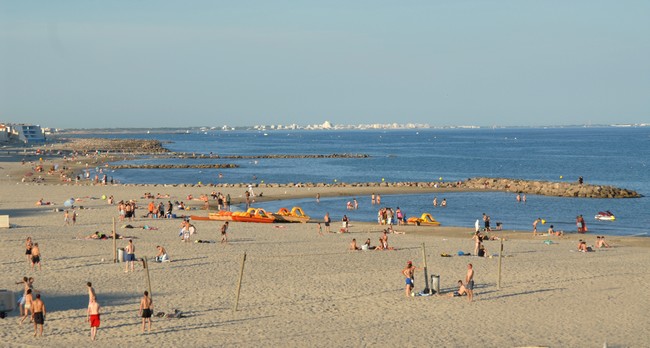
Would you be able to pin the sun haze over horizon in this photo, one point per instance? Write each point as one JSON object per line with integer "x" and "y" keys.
{"x": 117, "y": 64}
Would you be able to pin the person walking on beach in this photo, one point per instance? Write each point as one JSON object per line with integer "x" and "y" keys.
{"x": 320, "y": 229}
{"x": 146, "y": 310}
{"x": 38, "y": 315}
{"x": 469, "y": 282}
{"x": 36, "y": 256}
{"x": 21, "y": 300}
{"x": 27, "y": 299}
{"x": 66, "y": 218}
{"x": 93, "y": 317}
{"x": 327, "y": 220}
{"x": 130, "y": 256}
{"x": 74, "y": 217}
{"x": 224, "y": 232}
{"x": 408, "y": 273}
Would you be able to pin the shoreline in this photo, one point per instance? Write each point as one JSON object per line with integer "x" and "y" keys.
{"x": 275, "y": 192}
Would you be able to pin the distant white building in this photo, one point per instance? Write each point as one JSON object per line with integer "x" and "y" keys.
{"x": 326, "y": 125}
{"x": 28, "y": 133}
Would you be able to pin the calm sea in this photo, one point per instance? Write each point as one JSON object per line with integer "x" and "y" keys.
{"x": 607, "y": 155}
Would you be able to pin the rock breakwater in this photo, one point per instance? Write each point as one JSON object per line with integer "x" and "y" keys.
{"x": 174, "y": 166}
{"x": 545, "y": 188}
{"x": 550, "y": 188}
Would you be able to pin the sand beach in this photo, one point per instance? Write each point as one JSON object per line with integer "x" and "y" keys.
{"x": 300, "y": 289}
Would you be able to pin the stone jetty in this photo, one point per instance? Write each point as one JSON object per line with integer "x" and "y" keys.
{"x": 270, "y": 156}
{"x": 549, "y": 188}
{"x": 545, "y": 188}
{"x": 174, "y": 166}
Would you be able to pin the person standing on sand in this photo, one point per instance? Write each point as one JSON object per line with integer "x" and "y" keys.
{"x": 93, "y": 317}
{"x": 345, "y": 223}
{"x": 146, "y": 310}
{"x": 36, "y": 256}
{"x": 469, "y": 282}
{"x": 66, "y": 218}
{"x": 327, "y": 220}
{"x": 320, "y": 229}
{"x": 130, "y": 256}
{"x": 28, "y": 249}
{"x": 538, "y": 220}
{"x": 224, "y": 232}
{"x": 38, "y": 315}
{"x": 74, "y": 217}
{"x": 408, "y": 273}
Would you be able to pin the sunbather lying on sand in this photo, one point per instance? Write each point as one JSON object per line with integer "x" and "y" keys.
{"x": 99, "y": 235}
{"x": 145, "y": 227}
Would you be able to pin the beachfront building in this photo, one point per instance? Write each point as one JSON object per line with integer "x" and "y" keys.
{"x": 28, "y": 133}
{"x": 4, "y": 133}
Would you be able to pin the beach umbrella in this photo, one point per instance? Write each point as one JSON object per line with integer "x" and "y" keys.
{"x": 68, "y": 203}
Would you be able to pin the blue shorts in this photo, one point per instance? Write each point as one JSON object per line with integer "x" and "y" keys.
{"x": 409, "y": 281}
{"x": 130, "y": 257}
{"x": 470, "y": 285}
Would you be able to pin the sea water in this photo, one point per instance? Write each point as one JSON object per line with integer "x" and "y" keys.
{"x": 601, "y": 155}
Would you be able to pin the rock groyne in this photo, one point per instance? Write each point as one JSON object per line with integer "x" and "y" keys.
{"x": 545, "y": 188}
{"x": 174, "y": 166}
{"x": 550, "y": 188}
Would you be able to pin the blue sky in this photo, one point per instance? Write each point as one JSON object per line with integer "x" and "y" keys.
{"x": 87, "y": 64}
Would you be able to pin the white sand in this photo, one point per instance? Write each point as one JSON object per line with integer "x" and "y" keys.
{"x": 300, "y": 289}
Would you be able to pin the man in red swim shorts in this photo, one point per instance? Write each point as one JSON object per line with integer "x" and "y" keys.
{"x": 93, "y": 317}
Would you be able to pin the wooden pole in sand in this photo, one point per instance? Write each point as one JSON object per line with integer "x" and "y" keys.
{"x": 241, "y": 275}
{"x": 114, "y": 243}
{"x": 500, "y": 257}
{"x": 426, "y": 275}
{"x": 146, "y": 267}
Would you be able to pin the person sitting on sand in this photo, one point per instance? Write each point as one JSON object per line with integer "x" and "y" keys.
{"x": 353, "y": 245}
{"x": 582, "y": 246}
{"x": 553, "y": 232}
{"x": 366, "y": 245}
{"x": 600, "y": 242}
{"x": 482, "y": 252}
{"x": 162, "y": 254}
{"x": 462, "y": 291}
